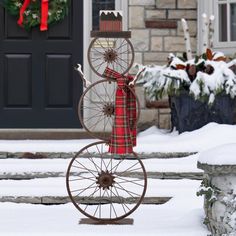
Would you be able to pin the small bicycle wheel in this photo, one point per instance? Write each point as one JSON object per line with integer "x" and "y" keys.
{"x": 105, "y": 187}
{"x": 115, "y": 53}
{"x": 97, "y": 106}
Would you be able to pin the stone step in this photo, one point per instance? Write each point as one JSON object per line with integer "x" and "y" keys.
{"x": 69, "y": 155}
{"x": 53, "y": 191}
{"x": 177, "y": 168}
{"x": 150, "y": 175}
{"x": 56, "y": 200}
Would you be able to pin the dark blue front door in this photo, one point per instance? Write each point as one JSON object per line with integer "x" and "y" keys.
{"x": 38, "y": 86}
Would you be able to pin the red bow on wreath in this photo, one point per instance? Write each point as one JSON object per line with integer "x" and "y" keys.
{"x": 44, "y": 14}
{"x": 124, "y": 132}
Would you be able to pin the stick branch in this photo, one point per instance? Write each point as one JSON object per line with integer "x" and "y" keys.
{"x": 211, "y": 30}
{"x": 205, "y": 32}
{"x": 187, "y": 39}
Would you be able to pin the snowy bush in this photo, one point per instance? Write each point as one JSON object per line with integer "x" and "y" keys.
{"x": 204, "y": 77}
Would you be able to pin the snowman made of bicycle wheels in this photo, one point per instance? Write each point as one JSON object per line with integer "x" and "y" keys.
{"x": 104, "y": 185}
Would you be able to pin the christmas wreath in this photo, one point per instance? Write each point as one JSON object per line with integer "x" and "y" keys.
{"x": 32, "y": 13}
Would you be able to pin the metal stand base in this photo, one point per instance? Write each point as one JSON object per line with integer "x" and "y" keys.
{"x": 87, "y": 221}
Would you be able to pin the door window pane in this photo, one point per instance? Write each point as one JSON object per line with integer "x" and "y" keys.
{"x": 101, "y": 5}
{"x": 223, "y": 22}
{"x": 233, "y": 22}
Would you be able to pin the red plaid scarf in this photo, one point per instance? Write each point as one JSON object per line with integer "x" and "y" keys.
{"x": 124, "y": 132}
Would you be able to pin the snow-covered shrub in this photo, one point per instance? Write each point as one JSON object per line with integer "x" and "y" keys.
{"x": 204, "y": 77}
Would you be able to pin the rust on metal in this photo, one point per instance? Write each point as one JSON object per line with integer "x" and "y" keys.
{"x": 118, "y": 34}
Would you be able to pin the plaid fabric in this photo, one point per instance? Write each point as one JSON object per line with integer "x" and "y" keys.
{"x": 123, "y": 137}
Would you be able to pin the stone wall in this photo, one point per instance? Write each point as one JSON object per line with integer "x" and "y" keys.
{"x": 157, "y": 31}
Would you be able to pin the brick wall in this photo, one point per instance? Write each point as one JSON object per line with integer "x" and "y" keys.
{"x": 156, "y": 31}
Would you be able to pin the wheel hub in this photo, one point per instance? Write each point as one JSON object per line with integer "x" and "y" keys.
{"x": 105, "y": 180}
{"x": 108, "y": 109}
{"x": 110, "y": 56}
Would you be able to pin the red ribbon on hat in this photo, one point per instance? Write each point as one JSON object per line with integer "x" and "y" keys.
{"x": 124, "y": 132}
{"x": 44, "y": 14}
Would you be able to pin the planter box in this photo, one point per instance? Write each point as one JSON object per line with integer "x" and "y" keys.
{"x": 188, "y": 114}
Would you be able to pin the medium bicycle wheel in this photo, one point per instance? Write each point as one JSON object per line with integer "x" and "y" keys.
{"x": 105, "y": 187}
{"x": 97, "y": 106}
{"x": 115, "y": 53}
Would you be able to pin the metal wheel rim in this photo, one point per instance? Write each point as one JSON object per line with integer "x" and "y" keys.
{"x": 81, "y": 110}
{"x": 100, "y": 74}
{"x": 105, "y": 219}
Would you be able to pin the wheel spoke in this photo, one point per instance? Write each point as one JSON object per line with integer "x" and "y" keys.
{"x": 130, "y": 181}
{"x": 128, "y": 169}
{"x": 82, "y": 178}
{"x": 96, "y": 190}
{"x": 83, "y": 189}
{"x": 85, "y": 168}
{"x": 129, "y": 192}
{"x": 101, "y": 158}
{"x": 95, "y": 165}
{"x": 122, "y": 44}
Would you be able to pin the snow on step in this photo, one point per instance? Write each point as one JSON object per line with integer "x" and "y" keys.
{"x": 17, "y": 166}
{"x": 149, "y": 141}
{"x": 57, "y": 187}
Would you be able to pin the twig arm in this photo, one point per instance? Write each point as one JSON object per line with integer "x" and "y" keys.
{"x": 133, "y": 82}
{"x": 86, "y": 83}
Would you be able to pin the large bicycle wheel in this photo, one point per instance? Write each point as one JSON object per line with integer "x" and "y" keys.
{"x": 97, "y": 106}
{"x": 115, "y": 53}
{"x": 105, "y": 187}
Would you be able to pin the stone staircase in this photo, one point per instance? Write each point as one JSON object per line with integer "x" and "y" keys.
{"x": 39, "y": 178}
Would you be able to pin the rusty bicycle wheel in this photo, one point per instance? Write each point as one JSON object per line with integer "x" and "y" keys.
{"x": 97, "y": 106}
{"x": 103, "y": 186}
{"x": 115, "y": 53}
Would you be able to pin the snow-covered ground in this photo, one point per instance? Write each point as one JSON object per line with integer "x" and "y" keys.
{"x": 181, "y": 216}
{"x": 151, "y": 140}
{"x": 209, "y": 136}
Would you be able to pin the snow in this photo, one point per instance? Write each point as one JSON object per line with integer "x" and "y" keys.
{"x": 221, "y": 155}
{"x": 150, "y": 141}
{"x": 222, "y": 79}
{"x": 176, "y": 218}
{"x": 44, "y": 145}
{"x": 168, "y": 80}
{"x": 156, "y": 140}
{"x": 181, "y": 216}
{"x": 20, "y": 166}
{"x": 114, "y": 12}
{"x": 56, "y": 187}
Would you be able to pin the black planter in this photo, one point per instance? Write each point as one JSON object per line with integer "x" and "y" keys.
{"x": 187, "y": 114}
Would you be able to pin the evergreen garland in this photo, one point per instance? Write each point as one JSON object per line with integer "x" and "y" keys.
{"x": 58, "y": 10}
